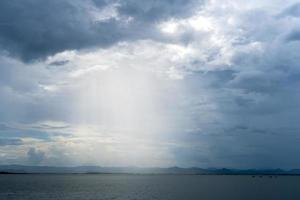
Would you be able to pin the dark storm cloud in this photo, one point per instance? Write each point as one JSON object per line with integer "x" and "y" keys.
{"x": 34, "y": 29}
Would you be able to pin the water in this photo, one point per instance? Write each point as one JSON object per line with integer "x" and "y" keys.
{"x": 147, "y": 187}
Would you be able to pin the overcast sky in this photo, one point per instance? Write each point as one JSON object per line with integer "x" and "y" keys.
{"x": 202, "y": 83}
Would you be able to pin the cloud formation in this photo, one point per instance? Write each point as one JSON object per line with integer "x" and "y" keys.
{"x": 30, "y": 30}
{"x": 35, "y": 156}
{"x": 4, "y": 142}
{"x": 158, "y": 83}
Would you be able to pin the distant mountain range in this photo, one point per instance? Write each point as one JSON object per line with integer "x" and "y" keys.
{"x": 7, "y": 169}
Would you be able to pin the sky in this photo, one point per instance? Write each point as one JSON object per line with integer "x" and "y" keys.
{"x": 156, "y": 83}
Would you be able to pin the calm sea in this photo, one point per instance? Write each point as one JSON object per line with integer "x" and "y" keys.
{"x": 140, "y": 187}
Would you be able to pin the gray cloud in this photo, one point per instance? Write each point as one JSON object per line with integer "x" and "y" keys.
{"x": 33, "y": 33}
{"x": 293, "y": 36}
{"x": 156, "y": 10}
{"x": 23, "y": 97}
{"x": 10, "y": 141}
{"x": 35, "y": 156}
{"x": 36, "y": 33}
{"x": 4, "y": 127}
{"x": 293, "y": 10}
{"x": 255, "y": 105}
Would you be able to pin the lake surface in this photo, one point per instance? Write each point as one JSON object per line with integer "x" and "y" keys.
{"x": 147, "y": 187}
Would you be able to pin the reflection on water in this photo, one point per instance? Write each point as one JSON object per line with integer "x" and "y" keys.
{"x": 146, "y": 187}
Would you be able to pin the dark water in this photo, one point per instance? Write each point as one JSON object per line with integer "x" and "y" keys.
{"x": 139, "y": 187}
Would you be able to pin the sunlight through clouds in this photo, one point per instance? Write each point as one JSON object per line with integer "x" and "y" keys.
{"x": 156, "y": 83}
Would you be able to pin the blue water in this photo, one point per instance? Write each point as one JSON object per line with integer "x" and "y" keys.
{"x": 146, "y": 187}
